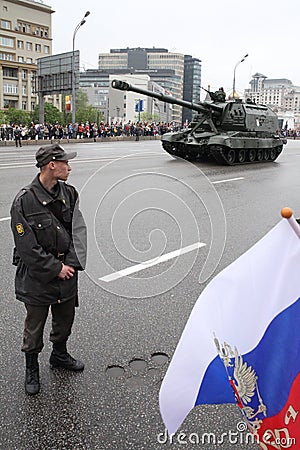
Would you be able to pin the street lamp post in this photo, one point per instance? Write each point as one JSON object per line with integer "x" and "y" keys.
{"x": 239, "y": 62}
{"x": 118, "y": 112}
{"x": 82, "y": 22}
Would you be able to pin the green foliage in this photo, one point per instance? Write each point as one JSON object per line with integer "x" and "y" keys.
{"x": 51, "y": 114}
{"x": 84, "y": 111}
{"x": 3, "y": 118}
{"x": 148, "y": 117}
{"x": 17, "y": 116}
{"x": 89, "y": 114}
{"x": 82, "y": 100}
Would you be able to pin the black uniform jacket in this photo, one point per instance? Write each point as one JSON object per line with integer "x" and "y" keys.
{"x": 42, "y": 243}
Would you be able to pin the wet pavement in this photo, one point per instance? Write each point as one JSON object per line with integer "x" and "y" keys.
{"x": 126, "y": 341}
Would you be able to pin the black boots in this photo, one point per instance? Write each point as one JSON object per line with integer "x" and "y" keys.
{"x": 32, "y": 381}
{"x": 61, "y": 358}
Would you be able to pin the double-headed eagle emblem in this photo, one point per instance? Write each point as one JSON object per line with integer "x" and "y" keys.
{"x": 243, "y": 380}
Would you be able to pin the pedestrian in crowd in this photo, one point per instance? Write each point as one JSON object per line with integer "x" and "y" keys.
{"x": 50, "y": 247}
{"x": 17, "y": 135}
{"x": 138, "y": 132}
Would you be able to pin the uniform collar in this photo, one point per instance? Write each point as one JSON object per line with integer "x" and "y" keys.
{"x": 43, "y": 195}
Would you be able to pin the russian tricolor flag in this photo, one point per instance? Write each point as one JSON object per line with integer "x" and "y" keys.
{"x": 241, "y": 343}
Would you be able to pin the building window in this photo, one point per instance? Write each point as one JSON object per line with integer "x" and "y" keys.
{"x": 24, "y": 89}
{"x": 20, "y": 59}
{"x": 10, "y": 72}
{"x": 46, "y": 49}
{"x": 24, "y": 74}
{"x": 38, "y": 48}
{"x": 10, "y": 103}
{"x": 5, "y": 24}
{"x": 7, "y": 42}
{"x": 24, "y": 105}
{"x": 29, "y": 60}
{"x": 20, "y": 44}
{"x": 7, "y": 56}
{"x": 29, "y": 46}
{"x": 10, "y": 88}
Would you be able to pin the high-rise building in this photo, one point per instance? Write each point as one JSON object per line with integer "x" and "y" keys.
{"x": 278, "y": 93}
{"x": 268, "y": 91}
{"x": 191, "y": 85}
{"x": 25, "y": 35}
{"x": 118, "y": 105}
{"x": 165, "y": 68}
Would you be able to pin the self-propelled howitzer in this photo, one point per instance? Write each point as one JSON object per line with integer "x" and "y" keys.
{"x": 232, "y": 132}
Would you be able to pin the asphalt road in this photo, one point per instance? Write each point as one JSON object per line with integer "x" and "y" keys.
{"x": 139, "y": 204}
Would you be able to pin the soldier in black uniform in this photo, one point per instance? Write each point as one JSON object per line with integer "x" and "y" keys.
{"x": 17, "y": 135}
{"x": 50, "y": 247}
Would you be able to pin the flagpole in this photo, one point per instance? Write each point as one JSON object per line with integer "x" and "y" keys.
{"x": 287, "y": 213}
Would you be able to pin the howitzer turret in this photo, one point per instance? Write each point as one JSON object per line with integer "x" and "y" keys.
{"x": 232, "y": 132}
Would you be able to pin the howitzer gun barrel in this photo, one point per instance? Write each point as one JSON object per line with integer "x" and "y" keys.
{"x": 201, "y": 107}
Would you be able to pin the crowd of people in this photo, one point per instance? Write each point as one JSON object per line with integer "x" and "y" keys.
{"x": 84, "y": 130}
{"x": 19, "y": 132}
{"x": 291, "y": 133}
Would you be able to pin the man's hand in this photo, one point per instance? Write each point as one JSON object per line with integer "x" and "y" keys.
{"x": 66, "y": 272}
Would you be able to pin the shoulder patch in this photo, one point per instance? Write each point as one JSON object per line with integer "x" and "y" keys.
{"x": 20, "y": 229}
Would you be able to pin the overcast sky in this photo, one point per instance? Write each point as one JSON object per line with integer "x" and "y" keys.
{"x": 217, "y": 32}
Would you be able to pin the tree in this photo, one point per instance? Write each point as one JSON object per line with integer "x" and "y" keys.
{"x": 84, "y": 111}
{"x": 52, "y": 114}
{"x": 148, "y": 117}
{"x": 17, "y": 116}
{"x": 3, "y": 118}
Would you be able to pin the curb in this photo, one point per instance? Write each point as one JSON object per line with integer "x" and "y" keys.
{"x": 41, "y": 142}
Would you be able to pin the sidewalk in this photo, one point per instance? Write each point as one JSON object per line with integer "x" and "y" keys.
{"x": 78, "y": 141}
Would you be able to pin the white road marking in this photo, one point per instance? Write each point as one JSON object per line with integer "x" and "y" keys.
{"x": 228, "y": 179}
{"x": 145, "y": 168}
{"x": 78, "y": 161}
{"x": 151, "y": 262}
{"x": 4, "y": 218}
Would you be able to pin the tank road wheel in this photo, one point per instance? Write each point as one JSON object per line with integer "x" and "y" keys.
{"x": 266, "y": 154}
{"x": 273, "y": 154}
{"x": 252, "y": 155}
{"x": 231, "y": 156}
{"x": 259, "y": 155}
{"x": 241, "y": 156}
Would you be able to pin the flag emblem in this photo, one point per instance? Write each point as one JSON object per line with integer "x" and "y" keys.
{"x": 255, "y": 362}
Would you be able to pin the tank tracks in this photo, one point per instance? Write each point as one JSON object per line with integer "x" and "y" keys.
{"x": 224, "y": 155}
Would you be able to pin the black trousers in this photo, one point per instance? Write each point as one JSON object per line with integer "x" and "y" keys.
{"x": 18, "y": 140}
{"x": 36, "y": 316}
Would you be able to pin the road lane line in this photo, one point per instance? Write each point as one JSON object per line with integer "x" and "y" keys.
{"x": 78, "y": 161}
{"x": 4, "y": 218}
{"x": 151, "y": 262}
{"x": 228, "y": 179}
{"x": 146, "y": 168}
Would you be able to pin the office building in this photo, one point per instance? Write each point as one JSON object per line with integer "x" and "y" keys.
{"x": 278, "y": 93}
{"x": 191, "y": 85}
{"x": 165, "y": 68}
{"x": 120, "y": 106}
